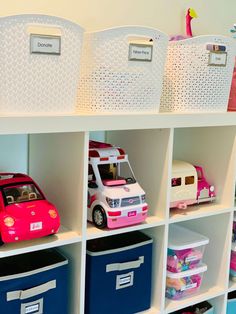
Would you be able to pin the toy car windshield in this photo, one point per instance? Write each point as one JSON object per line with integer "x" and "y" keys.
{"x": 21, "y": 193}
{"x": 116, "y": 174}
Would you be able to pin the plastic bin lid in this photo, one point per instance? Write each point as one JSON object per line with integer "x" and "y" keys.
{"x": 200, "y": 269}
{"x": 181, "y": 238}
{"x": 117, "y": 243}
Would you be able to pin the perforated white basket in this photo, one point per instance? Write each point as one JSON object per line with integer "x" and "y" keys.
{"x": 190, "y": 83}
{"x": 39, "y": 69}
{"x": 111, "y": 82}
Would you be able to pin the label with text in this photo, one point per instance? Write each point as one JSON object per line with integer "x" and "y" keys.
{"x": 45, "y": 44}
{"x": 138, "y": 52}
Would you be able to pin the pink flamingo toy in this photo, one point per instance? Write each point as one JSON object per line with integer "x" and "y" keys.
{"x": 191, "y": 14}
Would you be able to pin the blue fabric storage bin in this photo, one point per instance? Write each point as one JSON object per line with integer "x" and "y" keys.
{"x": 34, "y": 283}
{"x": 118, "y": 274}
{"x": 231, "y": 304}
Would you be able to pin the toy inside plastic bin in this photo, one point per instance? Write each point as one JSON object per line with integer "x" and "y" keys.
{"x": 181, "y": 285}
{"x": 231, "y": 304}
{"x": 200, "y": 308}
{"x": 233, "y": 262}
{"x": 185, "y": 249}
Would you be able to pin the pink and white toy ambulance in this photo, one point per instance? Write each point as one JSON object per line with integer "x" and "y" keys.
{"x": 189, "y": 185}
{"x": 115, "y": 199}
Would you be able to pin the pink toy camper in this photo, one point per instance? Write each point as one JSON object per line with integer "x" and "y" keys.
{"x": 189, "y": 185}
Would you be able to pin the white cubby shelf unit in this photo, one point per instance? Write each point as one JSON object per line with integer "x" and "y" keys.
{"x": 55, "y": 149}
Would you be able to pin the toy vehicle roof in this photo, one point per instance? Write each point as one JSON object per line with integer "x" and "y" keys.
{"x": 9, "y": 177}
{"x": 182, "y": 166}
{"x": 99, "y": 149}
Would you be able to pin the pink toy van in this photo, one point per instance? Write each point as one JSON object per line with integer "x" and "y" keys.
{"x": 189, "y": 185}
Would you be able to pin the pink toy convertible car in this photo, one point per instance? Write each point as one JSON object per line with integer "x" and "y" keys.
{"x": 24, "y": 212}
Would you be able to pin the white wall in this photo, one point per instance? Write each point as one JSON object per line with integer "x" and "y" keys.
{"x": 215, "y": 16}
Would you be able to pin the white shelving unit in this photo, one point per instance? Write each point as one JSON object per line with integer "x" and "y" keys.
{"x": 57, "y": 159}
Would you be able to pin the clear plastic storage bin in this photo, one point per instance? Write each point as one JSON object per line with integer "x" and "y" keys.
{"x": 122, "y": 70}
{"x": 180, "y": 285}
{"x": 198, "y": 74}
{"x": 40, "y": 58}
{"x": 233, "y": 262}
{"x": 185, "y": 249}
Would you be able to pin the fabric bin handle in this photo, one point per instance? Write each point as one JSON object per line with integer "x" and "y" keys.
{"x": 125, "y": 266}
{"x": 25, "y": 294}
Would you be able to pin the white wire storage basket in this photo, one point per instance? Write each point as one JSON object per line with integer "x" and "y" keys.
{"x": 122, "y": 70}
{"x": 198, "y": 74}
{"x": 40, "y": 58}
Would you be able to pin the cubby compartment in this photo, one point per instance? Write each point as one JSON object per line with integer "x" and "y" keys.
{"x": 216, "y": 256}
{"x": 74, "y": 253}
{"x": 214, "y": 150}
{"x": 58, "y": 162}
{"x": 148, "y": 153}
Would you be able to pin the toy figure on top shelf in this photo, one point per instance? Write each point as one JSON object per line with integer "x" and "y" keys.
{"x": 191, "y": 14}
{"x": 25, "y": 213}
{"x": 189, "y": 185}
{"x": 115, "y": 199}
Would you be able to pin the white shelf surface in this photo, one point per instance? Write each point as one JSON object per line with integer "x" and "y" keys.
{"x": 198, "y": 211}
{"x": 93, "y": 232}
{"x": 152, "y": 310}
{"x": 63, "y": 237}
{"x": 202, "y": 295}
{"x": 15, "y": 124}
{"x": 232, "y": 286}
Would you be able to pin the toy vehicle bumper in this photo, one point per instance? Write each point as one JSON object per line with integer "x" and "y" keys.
{"x": 122, "y": 221}
{"x": 9, "y": 235}
{"x": 206, "y": 199}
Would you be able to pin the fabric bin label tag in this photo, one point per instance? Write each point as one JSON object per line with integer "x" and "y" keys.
{"x": 35, "y": 307}
{"x": 124, "y": 280}
{"x": 140, "y": 52}
{"x": 45, "y": 44}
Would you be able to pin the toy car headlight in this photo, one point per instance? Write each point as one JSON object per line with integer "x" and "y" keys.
{"x": 212, "y": 188}
{"x": 143, "y": 198}
{"x": 52, "y": 213}
{"x": 9, "y": 221}
{"x": 113, "y": 202}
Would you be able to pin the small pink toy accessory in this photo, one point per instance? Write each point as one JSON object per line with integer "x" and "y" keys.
{"x": 180, "y": 285}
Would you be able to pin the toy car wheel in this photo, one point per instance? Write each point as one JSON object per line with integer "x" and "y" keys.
{"x": 1, "y": 242}
{"x": 99, "y": 217}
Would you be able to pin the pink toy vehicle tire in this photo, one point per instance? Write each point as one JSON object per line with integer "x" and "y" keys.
{"x": 99, "y": 217}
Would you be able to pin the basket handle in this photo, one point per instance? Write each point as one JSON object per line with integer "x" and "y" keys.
{"x": 136, "y": 39}
{"x": 25, "y": 294}
{"x": 125, "y": 266}
{"x": 39, "y": 29}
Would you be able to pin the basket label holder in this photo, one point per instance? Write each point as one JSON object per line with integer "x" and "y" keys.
{"x": 140, "y": 52}
{"x": 45, "y": 44}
